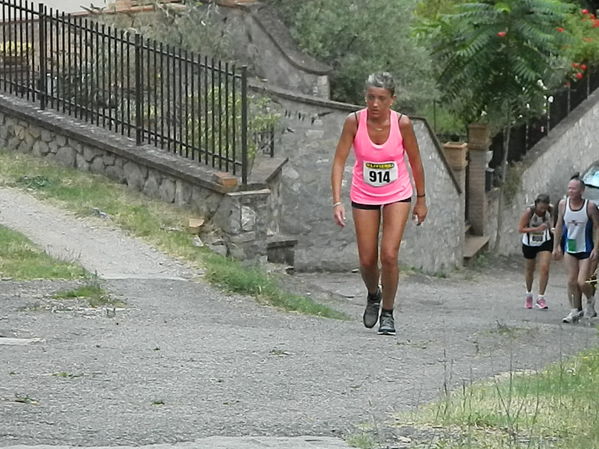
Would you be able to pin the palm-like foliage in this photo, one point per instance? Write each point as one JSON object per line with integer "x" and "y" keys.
{"x": 499, "y": 57}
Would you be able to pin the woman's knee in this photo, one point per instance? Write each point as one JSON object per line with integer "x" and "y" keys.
{"x": 544, "y": 270}
{"x": 368, "y": 261}
{"x": 389, "y": 258}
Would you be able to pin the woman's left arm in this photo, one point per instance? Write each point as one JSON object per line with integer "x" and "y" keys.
{"x": 411, "y": 146}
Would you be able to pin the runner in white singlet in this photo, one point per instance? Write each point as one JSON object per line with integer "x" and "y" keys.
{"x": 577, "y": 241}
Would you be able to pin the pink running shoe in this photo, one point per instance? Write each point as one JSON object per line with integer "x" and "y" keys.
{"x": 528, "y": 301}
{"x": 541, "y": 303}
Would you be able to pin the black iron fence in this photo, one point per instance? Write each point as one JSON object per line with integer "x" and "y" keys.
{"x": 559, "y": 105}
{"x": 190, "y": 105}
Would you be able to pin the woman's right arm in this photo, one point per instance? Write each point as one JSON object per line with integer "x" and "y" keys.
{"x": 557, "y": 236}
{"x": 341, "y": 153}
{"x": 524, "y": 220}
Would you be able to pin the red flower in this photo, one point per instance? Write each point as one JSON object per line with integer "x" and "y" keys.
{"x": 583, "y": 67}
{"x": 595, "y": 23}
{"x": 560, "y": 29}
{"x": 585, "y": 11}
{"x": 575, "y": 65}
{"x": 502, "y": 33}
{"x": 579, "y": 76}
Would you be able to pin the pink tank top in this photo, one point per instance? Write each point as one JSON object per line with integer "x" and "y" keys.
{"x": 380, "y": 174}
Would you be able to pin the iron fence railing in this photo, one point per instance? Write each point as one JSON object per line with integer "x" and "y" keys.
{"x": 559, "y": 105}
{"x": 190, "y": 105}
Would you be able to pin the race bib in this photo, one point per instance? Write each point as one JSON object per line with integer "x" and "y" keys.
{"x": 378, "y": 174}
{"x": 536, "y": 238}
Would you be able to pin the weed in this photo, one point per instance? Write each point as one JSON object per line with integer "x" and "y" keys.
{"x": 362, "y": 441}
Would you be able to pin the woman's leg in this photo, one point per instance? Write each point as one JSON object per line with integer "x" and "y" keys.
{"x": 395, "y": 217}
{"x": 367, "y": 223}
{"x": 544, "y": 265}
{"x": 529, "y": 272}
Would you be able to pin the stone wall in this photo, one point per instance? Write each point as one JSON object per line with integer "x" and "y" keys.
{"x": 245, "y": 218}
{"x": 311, "y": 130}
{"x": 263, "y": 42}
{"x": 569, "y": 148}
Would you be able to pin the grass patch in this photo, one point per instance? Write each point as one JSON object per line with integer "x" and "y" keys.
{"x": 160, "y": 224}
{"x": 233, "y": 276}
{"x": 362, "y": 441}
{"x": 93, "y": 293}
{"x": 556, "y": 408}
{"x": 22, "y": 260}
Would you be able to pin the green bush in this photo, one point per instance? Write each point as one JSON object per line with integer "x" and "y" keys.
{"x": 358, "y": 37}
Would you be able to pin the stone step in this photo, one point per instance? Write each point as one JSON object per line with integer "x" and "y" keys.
{"x": 281, "y": 249}
{"x": 474, "y": 244}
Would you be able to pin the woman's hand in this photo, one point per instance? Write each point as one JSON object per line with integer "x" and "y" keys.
{"x": 558, "y": 253}
{"x": 420, "y": 211}
{"x": 339, "y": 214}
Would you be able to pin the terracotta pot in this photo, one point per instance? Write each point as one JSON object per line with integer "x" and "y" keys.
{"x": 479, "y": 136}
{"x": 456, "y": 152}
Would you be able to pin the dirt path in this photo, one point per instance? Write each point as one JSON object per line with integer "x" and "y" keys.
{"x": 184, "y": 361}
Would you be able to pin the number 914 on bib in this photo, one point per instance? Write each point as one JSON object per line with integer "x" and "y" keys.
{"x": 378, "y": 174}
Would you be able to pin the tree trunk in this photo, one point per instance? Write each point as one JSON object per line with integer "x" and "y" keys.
{"x": 506, "y": 145}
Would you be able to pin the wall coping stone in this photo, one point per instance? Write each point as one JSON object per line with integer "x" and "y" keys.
{"x": 122, "y": 146}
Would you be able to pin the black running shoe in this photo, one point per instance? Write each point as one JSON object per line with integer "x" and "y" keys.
{"x": 387, "y": 326}
{"x": 371, "y": 313}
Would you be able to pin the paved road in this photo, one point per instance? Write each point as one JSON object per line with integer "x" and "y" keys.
{"x": 184, "y": 361}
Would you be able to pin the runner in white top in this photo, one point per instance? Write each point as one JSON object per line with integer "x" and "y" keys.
{"x": 577, "y": 240}
{"x": 537, "y": 244}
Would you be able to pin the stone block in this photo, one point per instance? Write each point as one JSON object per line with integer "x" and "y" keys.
{"x": 109, "y": 159}
{"x": 35, "y": 132}
{"x": 46, "y": 135}
{"x": 66, "y": 156}
{"x": 13, "y": 143}
{"x": 90, "y": 153}
{"x": 24, "y": 147}
{"x": 116, "y": 172}
{"x": 29, "y": 138}
{"x": 61, "y": 140}
{"x": 97, "y": 166}
{"x": 40, "y": 148}
{"x": 81, "y": 163}
{"x": 248, "y": 219}
{"x": 167, "y": 190}
{"x": 244, "y": 237}
{"x": 135, "y": 175}
{"x": 152, "y": 185}
{"x": 183, "y": 193}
